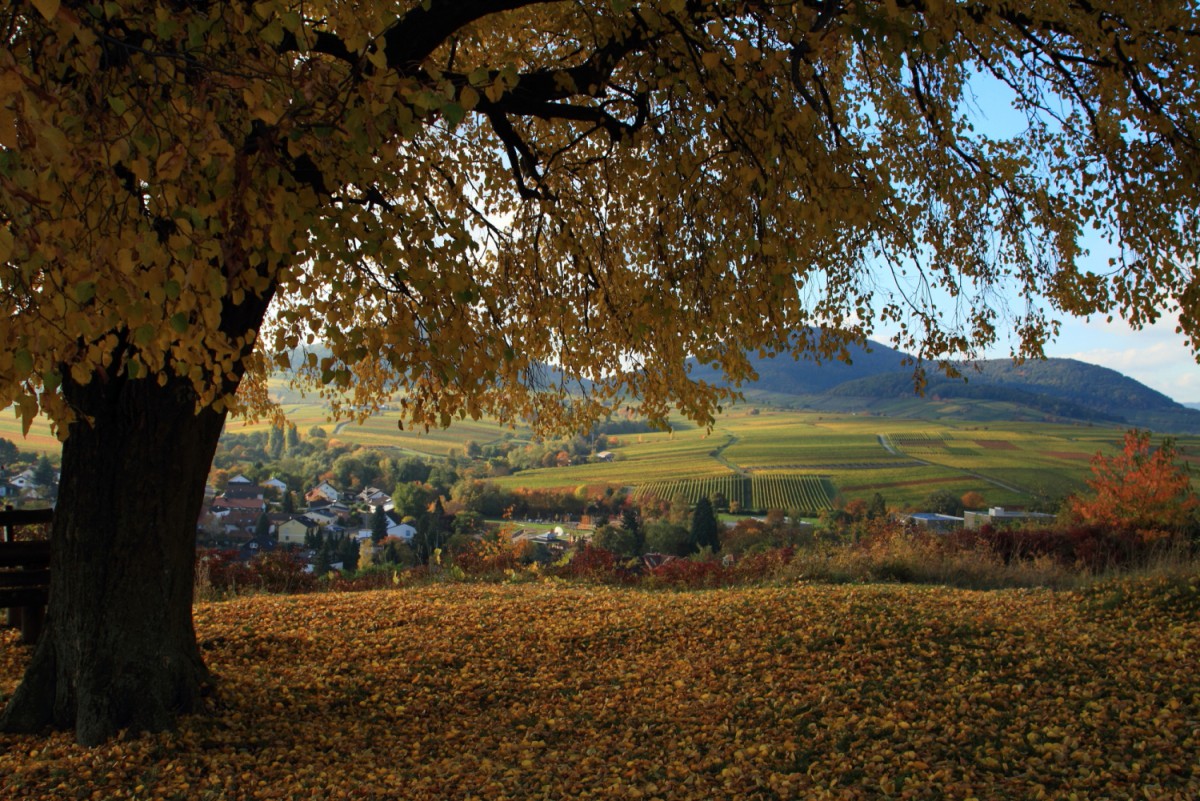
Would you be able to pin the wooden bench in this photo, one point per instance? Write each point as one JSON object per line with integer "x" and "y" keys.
{"x": 25, "y": 573}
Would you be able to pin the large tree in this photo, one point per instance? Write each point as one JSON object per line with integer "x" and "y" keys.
{"x": 442, "y": 196}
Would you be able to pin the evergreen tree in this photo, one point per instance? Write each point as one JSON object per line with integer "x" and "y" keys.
{"x": 9, "y": 452}
{"x": 43, "y": 472}
{"x": 391, "y": 554}
{"x": 705, "y": 528}
{"x": 324, "y": 559}
{"x": 379, "y": 525}
{"x": 635, "y": 535}
{"x": 347, "y": 552}
{"x": 430, "y": 535}
{"x": 262, "y": 529}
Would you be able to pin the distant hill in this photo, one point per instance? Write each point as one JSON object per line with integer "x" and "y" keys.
{"x": 787, "y": 376}
{"x": 876, "y": 381}
{"x": 900, "y": 387}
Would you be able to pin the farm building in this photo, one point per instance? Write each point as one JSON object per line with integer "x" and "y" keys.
{"x": 934, "y": 521}
{"x": 999, "y": 516}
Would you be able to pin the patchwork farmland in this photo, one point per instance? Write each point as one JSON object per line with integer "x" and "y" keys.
{"x": 762, "y": 458}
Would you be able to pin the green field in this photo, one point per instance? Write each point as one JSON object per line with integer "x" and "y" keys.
{"x": 383, "y": 431}
{"x": 848, "y": 456}
{"x": 640, "y": 459}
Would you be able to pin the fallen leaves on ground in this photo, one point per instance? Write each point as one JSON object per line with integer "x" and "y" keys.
{"x": 552, "y": 691}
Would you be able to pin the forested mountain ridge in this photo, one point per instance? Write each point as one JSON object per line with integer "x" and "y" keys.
{"x": 877, "y": 380}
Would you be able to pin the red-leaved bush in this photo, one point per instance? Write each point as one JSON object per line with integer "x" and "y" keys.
{"x": 1089, "y": 547}
{"x": 269, "y": 571}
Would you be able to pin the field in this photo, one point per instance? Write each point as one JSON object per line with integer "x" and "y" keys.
{"x": 550, "y": 691}
{"x": 641, "y": 458}
{"x": 903, "y": 460}
{"x": 382, "y": 431}
{"x": 783, "y": 491}
{"x": 854, "y": 455}
{"x": 40, "y": 439}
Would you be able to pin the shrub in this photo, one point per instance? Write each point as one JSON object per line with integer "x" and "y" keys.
{"x": 223, "y": 573}
{"x": 591, "y": 563}
{"x": 689, "y": 573}
{"x": 281, "y": 572}
{"x": 1093, "y": 548}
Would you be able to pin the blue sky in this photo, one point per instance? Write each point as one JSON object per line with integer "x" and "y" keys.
{"x": 1156, "y": 355}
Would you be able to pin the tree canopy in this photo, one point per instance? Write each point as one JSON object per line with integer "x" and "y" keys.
{"x": 537, "y": 209}
{"x": 1141, "y": 488}
{"x": 451, "y": 194}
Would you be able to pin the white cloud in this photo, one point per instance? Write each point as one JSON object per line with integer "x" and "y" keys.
{"x": 1156, "y": 355}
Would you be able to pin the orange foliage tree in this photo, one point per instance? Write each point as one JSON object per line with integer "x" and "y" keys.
{"x": 1139, "y": 488}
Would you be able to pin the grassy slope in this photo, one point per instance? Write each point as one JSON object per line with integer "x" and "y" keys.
{"x": 1041, "y": 458}
{"x": 856, "y": 692}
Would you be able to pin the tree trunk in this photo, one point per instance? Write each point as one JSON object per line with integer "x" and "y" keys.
{"x": 119, "y": 650}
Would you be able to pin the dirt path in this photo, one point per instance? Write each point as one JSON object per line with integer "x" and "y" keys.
{"x": 719, "y": 455}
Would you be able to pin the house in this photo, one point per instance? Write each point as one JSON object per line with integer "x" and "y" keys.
{"x": 24, "y": 480}
{"x": 322, "y": 517}
{"x": 339, "y": 510}
{"x": 399, "y": 529}
{"x": 224, "y": 503}
{"x": 239, "y": 490}
{"x": 374, "y": 497}
{"x": 999, "y": 516}
{"x": 396, "y": 528}
{"x": 296, "y": 530}
{"x": 323, "y": 492}
{"x": 279, "y": 486}
{"x": 933, "y": 521}
{"x": 238, "y": 524}
{"x": 651, "y": 561}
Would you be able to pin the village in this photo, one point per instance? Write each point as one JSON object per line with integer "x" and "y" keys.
{"x": 338, "y": 530}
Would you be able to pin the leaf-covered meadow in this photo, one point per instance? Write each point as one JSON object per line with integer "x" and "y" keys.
{"x": 549, "y": 690}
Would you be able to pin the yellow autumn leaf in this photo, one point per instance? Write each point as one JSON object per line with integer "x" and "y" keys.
{"x": 47, "y": 8}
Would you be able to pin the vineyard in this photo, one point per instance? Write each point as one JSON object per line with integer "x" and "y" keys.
{"x": 916, "y": 442}
{"x": 733, "y": 488}
{"x": 807, "y": 493}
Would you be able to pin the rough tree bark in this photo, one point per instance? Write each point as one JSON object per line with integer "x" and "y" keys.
{"x": 119, "y": 649}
